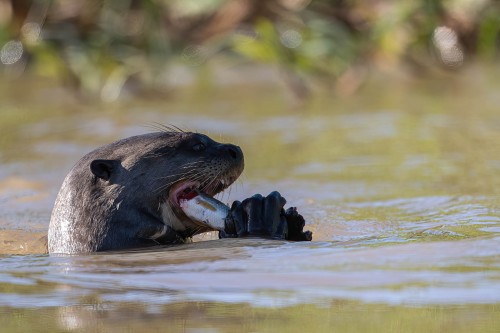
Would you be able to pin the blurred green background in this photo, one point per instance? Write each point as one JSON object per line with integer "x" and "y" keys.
{"x": 107, "y": 49}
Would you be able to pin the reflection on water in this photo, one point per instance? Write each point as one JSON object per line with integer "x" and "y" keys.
{"x": 401, "y": 192}
{"x": 222, "y": 317}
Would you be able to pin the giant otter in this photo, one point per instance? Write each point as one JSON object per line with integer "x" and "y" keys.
{"x": 126, "y": 195}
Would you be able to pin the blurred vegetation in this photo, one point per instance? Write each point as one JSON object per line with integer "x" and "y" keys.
{"x": 105, "y": 48}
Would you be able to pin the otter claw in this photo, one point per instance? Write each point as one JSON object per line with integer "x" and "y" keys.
{"x": 265, "y": 216}
{"x": 296, "y": 225}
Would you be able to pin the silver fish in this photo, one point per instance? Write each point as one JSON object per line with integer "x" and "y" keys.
{"x": 205, "y": 209}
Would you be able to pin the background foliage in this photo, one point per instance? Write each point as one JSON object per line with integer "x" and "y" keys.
{"x": 105, "y": 48}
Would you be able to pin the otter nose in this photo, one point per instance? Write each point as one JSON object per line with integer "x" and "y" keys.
{"x": 234, "y": 151}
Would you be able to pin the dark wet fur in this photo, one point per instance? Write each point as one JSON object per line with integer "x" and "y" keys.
{"x": 119, "y": 208}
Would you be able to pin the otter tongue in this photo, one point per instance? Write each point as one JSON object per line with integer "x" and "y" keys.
{"x": 188, "y": 195}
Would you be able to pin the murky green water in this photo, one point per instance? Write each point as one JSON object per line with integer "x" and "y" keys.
{"x": 401, "y": 186}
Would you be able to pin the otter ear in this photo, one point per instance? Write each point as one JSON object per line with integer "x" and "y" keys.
{"x": 103, "y": 168}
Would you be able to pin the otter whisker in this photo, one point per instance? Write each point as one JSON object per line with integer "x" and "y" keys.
{"x": 170, "y": 176}
{"x": 175, "y": 175}
{"x": 191, "y": 165}
{"x": 184, "y": 166}
{"x": 201, "y": 159}
{"x": 166, "y": 128}
{"x": 193, "y": 162}
{"x": 184, "y": 174}
{"x": 197, "y": 177}
{"x": 192, "y": 175}
{"x": 159, "y": 189}
{"x": 211, "y": 184}
{"x": 240, "y": 184}
{"x": 164, "y": 186}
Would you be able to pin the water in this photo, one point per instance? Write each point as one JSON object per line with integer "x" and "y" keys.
{"x": 400, "y": 187}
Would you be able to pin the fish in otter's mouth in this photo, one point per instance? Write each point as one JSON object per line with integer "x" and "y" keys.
{"x": 200, "y": 166}
{"x": 193, "y": 201}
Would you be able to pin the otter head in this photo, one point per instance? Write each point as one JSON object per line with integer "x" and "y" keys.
{"x": 171, "y": 167}
{"x": 126, "y": 194}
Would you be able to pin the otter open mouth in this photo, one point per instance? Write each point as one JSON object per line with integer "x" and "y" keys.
{"x": 189, "y": 189}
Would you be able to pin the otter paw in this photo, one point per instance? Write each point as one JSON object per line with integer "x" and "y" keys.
{"x": 296, "y": 224}
{"x": 265, "y": 217}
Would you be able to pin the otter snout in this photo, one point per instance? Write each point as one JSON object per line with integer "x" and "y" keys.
{"x": 235, "y": 152}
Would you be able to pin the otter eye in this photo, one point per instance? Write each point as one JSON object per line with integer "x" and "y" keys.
{"x": 199, "y": 147}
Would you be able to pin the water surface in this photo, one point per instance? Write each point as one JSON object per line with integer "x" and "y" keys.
{"x": 399, "y": 185}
